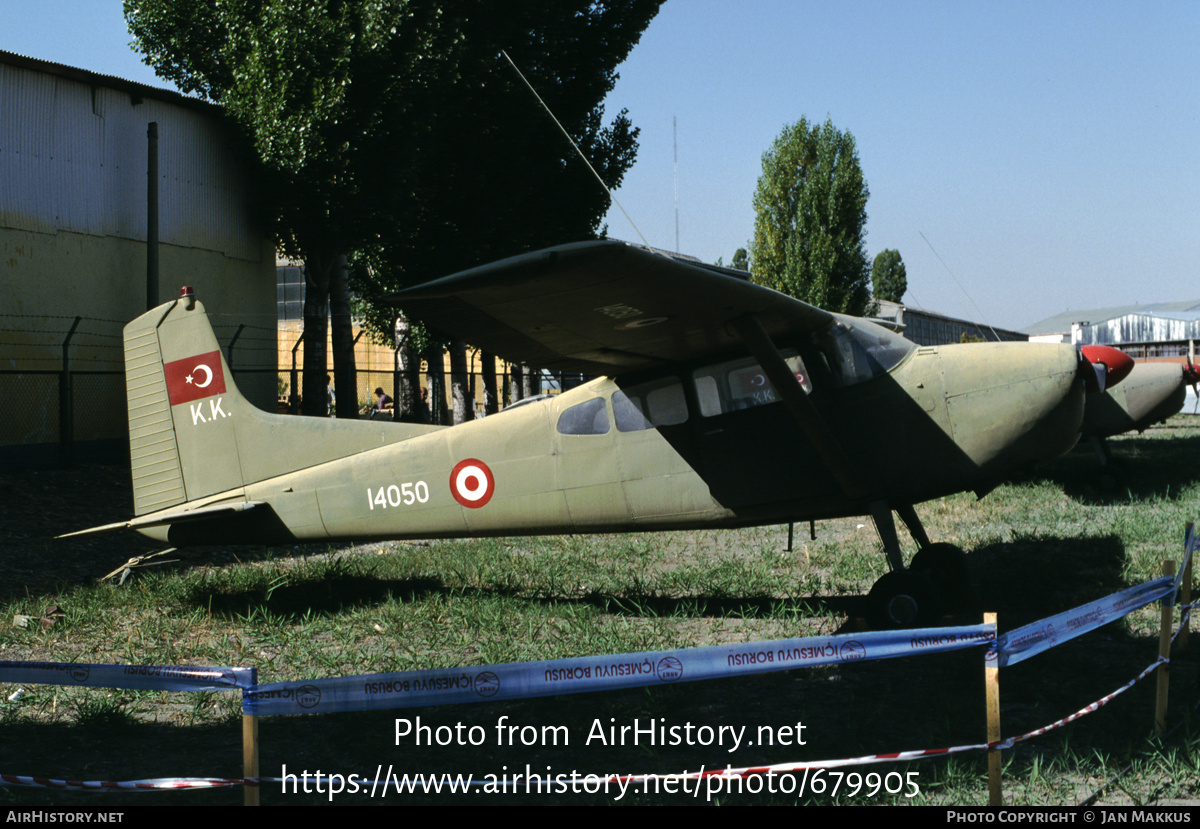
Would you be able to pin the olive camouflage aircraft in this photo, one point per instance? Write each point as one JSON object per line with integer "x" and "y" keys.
{"x": 1150, "y": 393}
{"x": 716, "y": 403}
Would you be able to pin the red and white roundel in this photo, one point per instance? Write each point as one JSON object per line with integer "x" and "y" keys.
{"x": 471, "y": 483}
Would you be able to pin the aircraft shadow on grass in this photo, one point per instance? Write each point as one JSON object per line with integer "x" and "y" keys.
{"x": 1022, "y": 581}
{"x": 1148, "y": 468}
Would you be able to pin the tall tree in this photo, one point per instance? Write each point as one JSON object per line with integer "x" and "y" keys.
{"x": 741, "y": 260}
{"x": 392, "y": 131}
{"x": 504, "y": 179}
{"x": 810, "y": 215}
{"x": 338, "y": 98}
{"x": 888, "y": 277}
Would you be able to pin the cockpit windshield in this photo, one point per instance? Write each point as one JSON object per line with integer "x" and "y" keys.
{"x": 858, "y": 351}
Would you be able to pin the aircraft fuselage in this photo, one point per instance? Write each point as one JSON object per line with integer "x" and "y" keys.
{"x": 943, "y": 420}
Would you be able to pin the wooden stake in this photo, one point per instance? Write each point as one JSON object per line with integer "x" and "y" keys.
{"x": 250, "y": 752}
{"x": 991, "y": 678}
{"x": 1185, "y": 598}
{"x": 1164, "y": 652}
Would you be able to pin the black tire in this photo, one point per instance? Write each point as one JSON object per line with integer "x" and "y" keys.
{"x": 950, "y": 574}
{"x": 902, "y": 599}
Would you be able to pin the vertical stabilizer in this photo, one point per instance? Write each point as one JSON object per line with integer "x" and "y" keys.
{"x": 182, "y": 408}
{"x": 192, "y": 435}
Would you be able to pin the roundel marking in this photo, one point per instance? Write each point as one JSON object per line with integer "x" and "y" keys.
{"x": 471, "y": 483}
{"x": 641, "y": 322}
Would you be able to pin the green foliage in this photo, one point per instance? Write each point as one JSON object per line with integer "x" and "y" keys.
{"x": 502, "y": 180}
{"x": 888, "y": 276}
{"x": 810, "y": 214}
{"x": 336, "y": 98}
{"x": 741, "y": 260}
{"x": 393, "y": 132}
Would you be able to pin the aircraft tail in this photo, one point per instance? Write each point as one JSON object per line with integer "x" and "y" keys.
{"x": 194, "y": 439}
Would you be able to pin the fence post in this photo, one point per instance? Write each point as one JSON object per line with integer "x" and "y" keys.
{"x": 1185, "y": 597}
{"x": 232, "y": 343}
{"x": 991, "y": 676}
{"x": 250, "y": 791}
{"x": 293, "y": 393}
{"x": 66, "y": 402}
{"x": 1164, "y": 652}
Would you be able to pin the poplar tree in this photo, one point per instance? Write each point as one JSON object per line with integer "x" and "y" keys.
{"x": 810, "y": 218}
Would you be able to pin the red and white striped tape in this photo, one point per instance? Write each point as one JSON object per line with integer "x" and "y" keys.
{"x": 125, "y": 785}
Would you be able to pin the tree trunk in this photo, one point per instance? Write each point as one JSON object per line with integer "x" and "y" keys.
{"x": 531, "y": 382}
{"x": 460, "y": 394}
{"x": 435, "y": 381}
{"x": 518, "y": 382}
{"x": 326, "y": 279}
{"x": 316, "y": 332}
{"x": 345, "y": 372}
{"x": 487, "y": 366}
{"x": 407, "y": 397}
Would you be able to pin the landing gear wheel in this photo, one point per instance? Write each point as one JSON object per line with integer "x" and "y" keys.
{"x": 945, "y": 563}
{"x": 949, "y": 573}
{"x": 902, "y": 599}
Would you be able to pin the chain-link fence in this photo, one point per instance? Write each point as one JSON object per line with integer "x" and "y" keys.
{"x": 508, "y": 391}
{"x": 62, "y": 380}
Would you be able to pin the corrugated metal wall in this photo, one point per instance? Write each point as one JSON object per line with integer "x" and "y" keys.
{"x": 1142, "y": 328}
{"x": 73, "y": 158}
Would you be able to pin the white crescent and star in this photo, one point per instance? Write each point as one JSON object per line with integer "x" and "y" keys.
{"x": 208, "y": 375}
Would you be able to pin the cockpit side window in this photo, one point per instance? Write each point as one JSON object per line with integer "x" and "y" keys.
{"x": 587, "y": 418}
{"x": 660, "y": 403}
{"x": 742, "y": 384}
{"x": 857, "y": 353}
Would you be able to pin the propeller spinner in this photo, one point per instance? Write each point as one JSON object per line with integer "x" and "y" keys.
{"x": 1111, "y": 366}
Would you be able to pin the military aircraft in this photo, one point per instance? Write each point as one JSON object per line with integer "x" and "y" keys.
{"x": 1149, "y": 393}
{"x": 716, "y": 403}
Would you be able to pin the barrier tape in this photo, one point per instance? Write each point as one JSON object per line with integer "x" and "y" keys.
{"x": 139, "y": 677}
{"x": 428, "y": 687}
{"x": 1030, "y": 640}
{"x": 176, "y": 783}
{"x": 1190, "y": 545}
{"x": 1082, "y": 712}
{"x": 521, "y": 680}
{"x": 1183, "y": 619}
{"x": 152, "y": 784}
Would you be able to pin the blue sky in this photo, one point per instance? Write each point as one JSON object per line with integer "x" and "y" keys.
{"x": 1048, "y": 153}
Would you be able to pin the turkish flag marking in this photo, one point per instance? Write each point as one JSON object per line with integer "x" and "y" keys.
{"x": 193, "y": 378}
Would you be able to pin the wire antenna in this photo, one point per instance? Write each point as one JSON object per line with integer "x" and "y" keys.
{"x": 961, "y": 288}
{"x": 576, "y": 146}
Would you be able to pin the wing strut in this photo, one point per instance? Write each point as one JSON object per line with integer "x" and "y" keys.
{"x": 755, "y": 338}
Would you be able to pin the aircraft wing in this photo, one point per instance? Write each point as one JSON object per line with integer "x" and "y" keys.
{"x": 601, "y": 307}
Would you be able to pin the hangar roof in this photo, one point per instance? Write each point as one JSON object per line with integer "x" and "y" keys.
{"x": 1182, "y": 309}
{"x": 135, "y": 89}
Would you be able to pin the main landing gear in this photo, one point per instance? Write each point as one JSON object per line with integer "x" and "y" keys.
{"x": 1113, "y": 475}
{"x": 937, "y": 582}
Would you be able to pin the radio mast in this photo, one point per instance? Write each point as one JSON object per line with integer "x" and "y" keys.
{"x": 675, "y": 143}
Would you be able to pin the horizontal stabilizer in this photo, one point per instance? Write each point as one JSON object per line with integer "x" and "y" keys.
{"x": 162, "y": 519}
